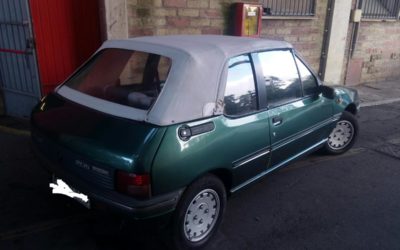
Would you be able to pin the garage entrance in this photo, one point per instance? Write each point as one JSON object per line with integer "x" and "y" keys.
{"x": 19, "y": 79}
{"x": 41, "y": 43}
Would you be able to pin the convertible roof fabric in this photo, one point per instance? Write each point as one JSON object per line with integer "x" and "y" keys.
{"x": 192, "y": 89}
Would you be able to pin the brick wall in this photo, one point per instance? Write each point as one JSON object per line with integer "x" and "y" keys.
{"x": 378, "y": 51}
{"x": 376, "y": 58}
{"x": 305, "y": 35}
{"x": 166, "y": 17}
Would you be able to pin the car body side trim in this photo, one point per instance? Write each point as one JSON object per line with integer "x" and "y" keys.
{"x": 337, "y": 116}
{"x": 303, "y": 133}
{"x": 307, "y": 150}
{"x": 251, "y": 158}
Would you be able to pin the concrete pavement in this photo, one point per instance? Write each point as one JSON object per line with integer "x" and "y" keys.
{"x": 341, "y": 202}
{"x": 378, "y": 93}
{"x": 348, "y": 201}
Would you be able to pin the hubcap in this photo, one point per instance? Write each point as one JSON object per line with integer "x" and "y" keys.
{"x": 201, "y": 215}
{"x": 341, "y": 136}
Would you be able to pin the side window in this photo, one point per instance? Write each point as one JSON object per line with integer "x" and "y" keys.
{"x": 310, "y": 84}
{"x": 281, "y": 77}
{"x": 240, "y": 93}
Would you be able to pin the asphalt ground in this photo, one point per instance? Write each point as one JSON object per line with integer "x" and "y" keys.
{"x": 350, "y": 201}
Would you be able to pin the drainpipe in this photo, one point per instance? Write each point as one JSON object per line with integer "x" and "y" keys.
{"x": 353, "y": 38}
{"x": 326, "y": 38}
{"x": 354, "y": 34}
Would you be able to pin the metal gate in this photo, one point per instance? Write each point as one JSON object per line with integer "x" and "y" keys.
{"x": 19, "y": 78}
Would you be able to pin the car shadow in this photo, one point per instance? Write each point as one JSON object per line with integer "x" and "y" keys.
{"x": 109, "y": 231}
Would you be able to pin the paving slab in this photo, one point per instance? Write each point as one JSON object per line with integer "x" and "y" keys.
{"x": 378, "y": 93}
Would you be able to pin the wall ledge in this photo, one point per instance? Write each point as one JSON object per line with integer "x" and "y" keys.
{"x": 290, "y": 17}
{"x": 378, "y": 20}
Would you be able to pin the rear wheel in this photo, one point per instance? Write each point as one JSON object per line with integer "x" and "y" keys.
{"x": 343, "y": 136}
{"x": 199, "y": 213}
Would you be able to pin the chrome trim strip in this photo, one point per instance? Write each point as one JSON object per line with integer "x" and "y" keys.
{"x": 241, "y": 163}
{"x": 277, "y": 166}
{"x": 303, "y": 133}
{"x": 337, "y": 116}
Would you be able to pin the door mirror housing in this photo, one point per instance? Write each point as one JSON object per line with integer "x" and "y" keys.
{"x": 327, "y": 92}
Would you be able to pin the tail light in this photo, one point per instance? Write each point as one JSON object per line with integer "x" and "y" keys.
{"x": 136, "y": 185}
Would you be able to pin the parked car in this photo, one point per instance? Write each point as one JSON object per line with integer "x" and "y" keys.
{"x": 172, "y": 125}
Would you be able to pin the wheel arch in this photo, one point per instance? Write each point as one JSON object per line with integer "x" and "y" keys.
{"x": 351, "y": 108}
{"x": 225, "y": 175}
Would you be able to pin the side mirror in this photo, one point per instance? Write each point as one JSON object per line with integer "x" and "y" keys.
{"x": 327, "y": 92}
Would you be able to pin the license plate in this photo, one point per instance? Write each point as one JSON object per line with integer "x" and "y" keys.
{"x": 58, "y": 186}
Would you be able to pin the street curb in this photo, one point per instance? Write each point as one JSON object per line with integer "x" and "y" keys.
{"x": 14, "y": 131}
{"x": 377, "y": 103}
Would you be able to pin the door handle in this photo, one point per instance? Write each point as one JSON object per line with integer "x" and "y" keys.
{"x": 277, "y": 120}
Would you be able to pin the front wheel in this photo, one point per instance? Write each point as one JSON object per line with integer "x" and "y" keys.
{"x": 343, "y": 136}
{"x": 199, "y": 213}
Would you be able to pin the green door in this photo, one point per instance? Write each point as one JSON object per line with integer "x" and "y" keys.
{"x": 239, "y": 142}
{"x": 250, "y": 141}
{"x": 299, "y": 117}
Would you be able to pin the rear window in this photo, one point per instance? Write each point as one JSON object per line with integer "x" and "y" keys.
{"x": 126, "y": 77}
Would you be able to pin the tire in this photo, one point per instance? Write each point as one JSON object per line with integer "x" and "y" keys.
{"x": 343, "y": 136}
{"x": 198, "y": 214}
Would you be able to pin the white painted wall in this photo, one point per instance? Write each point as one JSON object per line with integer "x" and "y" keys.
{"x": 337, "y": 42}
{"x": 116, "y": 21}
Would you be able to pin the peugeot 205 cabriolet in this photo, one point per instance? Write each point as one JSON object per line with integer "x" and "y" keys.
{"x": 172, "y": 125}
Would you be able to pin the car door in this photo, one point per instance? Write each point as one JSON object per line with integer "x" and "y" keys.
{"x": 246, "y": 127}
{"x": 298, "y": 117}
{"x": 237, "y": 141}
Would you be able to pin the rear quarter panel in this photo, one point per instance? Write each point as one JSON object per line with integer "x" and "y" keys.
{"x": 178, "y": 162}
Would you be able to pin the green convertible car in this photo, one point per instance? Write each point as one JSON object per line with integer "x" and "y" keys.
{"x": 171, "y": 125}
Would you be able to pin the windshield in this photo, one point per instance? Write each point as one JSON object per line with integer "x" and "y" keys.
{"x": 126, "y": 77}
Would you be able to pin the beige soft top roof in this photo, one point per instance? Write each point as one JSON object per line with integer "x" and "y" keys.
{"x": 203, "y": 45}
{"x": 193, "y": 87}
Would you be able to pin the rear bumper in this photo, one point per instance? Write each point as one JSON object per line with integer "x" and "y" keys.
{"x": 136, "y": 209}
